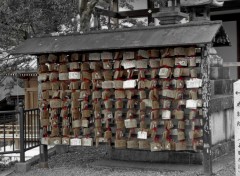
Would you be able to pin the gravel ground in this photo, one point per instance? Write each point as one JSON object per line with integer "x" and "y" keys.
{"x": 80, "y": 162}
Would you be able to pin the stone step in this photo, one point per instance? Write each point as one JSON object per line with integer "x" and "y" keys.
{"x": 222, "y": 87}
{"x": 219, "y": 73}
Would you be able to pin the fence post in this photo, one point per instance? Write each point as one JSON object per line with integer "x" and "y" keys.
{"x": 21, "y": 121}
{"x": 43, "y": 156}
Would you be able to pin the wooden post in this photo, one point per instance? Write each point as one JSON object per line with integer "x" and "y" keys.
{"x": 26, "y": 99}
{"x": 115, "y": 9}
{"x": 206, "y": 94}
{"x": 43, "y": 156}
{"x": 22, "y": 148}
{"x": 150, "y": 5}
{"x": 43, "y": 149}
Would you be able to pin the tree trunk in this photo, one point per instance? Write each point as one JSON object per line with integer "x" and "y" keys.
{"x": 85, "y": 11}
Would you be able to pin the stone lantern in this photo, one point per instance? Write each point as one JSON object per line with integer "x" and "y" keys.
{"x": 199, "y": 10}
{"x": 171, "y": 14}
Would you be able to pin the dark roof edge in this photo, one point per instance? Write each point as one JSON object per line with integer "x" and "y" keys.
{"x": 192, "y": 23}
{"x": 110, "y": 49}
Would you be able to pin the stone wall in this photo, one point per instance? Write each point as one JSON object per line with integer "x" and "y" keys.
{"x": 221, "y": 103}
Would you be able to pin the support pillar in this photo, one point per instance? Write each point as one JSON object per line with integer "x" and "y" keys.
{"x": 150, "y": 5}
{"x": 22, "y": 148}
{"x": 22, "y": 166}
{"x": 206, "y": 94}
{"x": 114, "y": 8}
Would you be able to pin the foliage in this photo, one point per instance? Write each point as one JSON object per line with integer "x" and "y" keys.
{"x": 127, "y": 4}
{"x": 21, "y": 19}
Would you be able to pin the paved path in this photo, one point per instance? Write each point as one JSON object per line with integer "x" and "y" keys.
{"x": 84, "y": 162}
{"x": 7, "y": 172}
{"x": 221, "y": 166}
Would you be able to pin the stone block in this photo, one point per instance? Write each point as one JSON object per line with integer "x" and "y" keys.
{"x": 220, "y": 103}
{"x": 221, "y": 87}
{"x": 179, "y": 157}
{"x": 158, "y": 157}
{"x": 219, "y": 73}
{"x": 43, "y": 165}
{"x": 22, "y": 167}
{"x": 222, "y": 149}
{"x": 60, "y": 149}
{"x": 196, "y": 158}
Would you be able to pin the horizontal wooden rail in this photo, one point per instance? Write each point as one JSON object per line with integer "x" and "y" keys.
{"x": 231, "y": 64}
{"x": 9, "y": 136}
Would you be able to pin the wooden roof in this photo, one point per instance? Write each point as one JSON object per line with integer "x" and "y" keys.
{"x": 149, "y": 37}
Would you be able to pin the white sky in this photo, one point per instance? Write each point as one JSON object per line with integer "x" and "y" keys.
{"x": 138, "y": 4}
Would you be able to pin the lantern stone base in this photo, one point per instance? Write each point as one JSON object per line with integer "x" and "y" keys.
{"x": 170, "y": 17}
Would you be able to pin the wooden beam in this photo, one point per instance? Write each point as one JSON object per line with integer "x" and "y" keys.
{"x": 136, "y": 13}
{"x": 106, "y": 13}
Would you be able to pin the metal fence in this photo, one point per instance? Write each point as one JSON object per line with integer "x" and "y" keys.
{"x": 19, "y": 131}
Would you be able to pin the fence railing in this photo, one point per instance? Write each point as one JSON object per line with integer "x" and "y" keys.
{"x": 31, "y": 128}
{"x": 19, "y": 131}
{"x": 9, "y": 132}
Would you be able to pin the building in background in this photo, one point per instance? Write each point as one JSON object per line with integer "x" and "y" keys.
{"x": 11, "y": 93}
{"x": 230, "y": 15}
